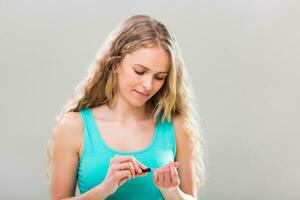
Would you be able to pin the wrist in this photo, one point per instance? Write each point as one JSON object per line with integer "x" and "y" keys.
{"x": 102, "y": 192}
{"x": 173, "y": 193}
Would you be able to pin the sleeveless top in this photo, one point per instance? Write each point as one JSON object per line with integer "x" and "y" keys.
{"x": 96, "y": 154}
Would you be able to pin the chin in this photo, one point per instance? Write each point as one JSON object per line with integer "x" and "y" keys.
{"x": 138, "y": 104}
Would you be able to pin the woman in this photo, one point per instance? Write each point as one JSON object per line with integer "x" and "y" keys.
{"x": 133, "y": 111}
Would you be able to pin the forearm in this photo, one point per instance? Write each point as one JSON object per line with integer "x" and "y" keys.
{"x": 177, "y": 194}
{"x": 96, "y": 193}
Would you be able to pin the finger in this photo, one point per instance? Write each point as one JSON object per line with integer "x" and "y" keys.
{"x": 132, "y": 168}
{"x": 160, "y": 179}
{"x": 135, "y": 163}
{"x": 138, "y": 166}
{"x": 176, "y": 164}
{"x": 127, "y": 165}
{"x": 116, "y": 159}
{"x": 174, "y": 173}
{"x": 155, "y": 177}
{"x": 141, "y": 174}
{"x": 122, "y": 174}
{"x": 142, "y": 166}
{"x": 167, "y": 176}
{"x": 174, "y": 176}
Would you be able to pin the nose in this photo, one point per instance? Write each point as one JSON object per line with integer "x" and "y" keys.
{"x": 147, "y": 83}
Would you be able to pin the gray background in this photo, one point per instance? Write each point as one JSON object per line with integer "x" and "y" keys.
{"x": 243, "y": 57}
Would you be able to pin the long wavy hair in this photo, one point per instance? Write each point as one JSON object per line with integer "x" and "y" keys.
{"x": 174, "y": 97}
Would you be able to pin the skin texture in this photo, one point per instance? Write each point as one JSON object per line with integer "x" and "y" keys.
{"x": 140, "y": 75}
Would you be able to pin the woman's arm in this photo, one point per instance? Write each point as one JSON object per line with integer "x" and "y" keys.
{"x": 97, "y": 193}
{"x": 66, "y": 144}
{"x": 186, "y": 171}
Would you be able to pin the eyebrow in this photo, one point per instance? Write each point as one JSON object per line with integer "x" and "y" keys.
{"x": 149, "y": 69}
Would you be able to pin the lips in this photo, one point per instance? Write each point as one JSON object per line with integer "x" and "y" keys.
{"x": 142, "y": 93}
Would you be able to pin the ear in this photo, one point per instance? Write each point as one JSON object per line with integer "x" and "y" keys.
{"x": 115, "y": 69}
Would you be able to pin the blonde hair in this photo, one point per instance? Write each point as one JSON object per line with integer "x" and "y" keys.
{"x": 175, "y": 96}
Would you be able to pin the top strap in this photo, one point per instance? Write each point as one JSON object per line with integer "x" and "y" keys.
{"x": 90, "y": 131}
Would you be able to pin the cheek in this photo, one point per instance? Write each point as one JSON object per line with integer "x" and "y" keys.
{"x": 158, "y": 86}
{"x": 131, "y": 75}
{"x": 127, "y": 80}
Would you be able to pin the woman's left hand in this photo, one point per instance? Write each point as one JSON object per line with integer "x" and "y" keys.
{"x": 166, "y": 178}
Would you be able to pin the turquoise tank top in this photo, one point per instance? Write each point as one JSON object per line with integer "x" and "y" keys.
{"x": 96, "y": 155}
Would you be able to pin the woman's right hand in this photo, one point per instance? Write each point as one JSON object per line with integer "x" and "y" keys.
{"x": 121, "y": 169}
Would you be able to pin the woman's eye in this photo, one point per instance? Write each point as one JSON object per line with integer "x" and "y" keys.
{"x": 160, "y": 78}
{"x": 142, "y": 72}
{"x": 139, "y": 72}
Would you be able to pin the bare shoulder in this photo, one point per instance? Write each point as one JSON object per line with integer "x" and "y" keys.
{"x": 69, "y": 130}
{"x": 178, "y": 122}
{"x": 182, "y": 137}
{"x": 66, "y": 139}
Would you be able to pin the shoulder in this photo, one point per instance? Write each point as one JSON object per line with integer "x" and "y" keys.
{"x": 64, "y": 155}
{"x": 181, "y": 135}
{"x": 178, "y": 122}
{"x": 69, "y": 130}
{"x": 70, "y": 123}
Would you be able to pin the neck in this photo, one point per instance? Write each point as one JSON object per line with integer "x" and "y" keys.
{"x": 125, "y": 113}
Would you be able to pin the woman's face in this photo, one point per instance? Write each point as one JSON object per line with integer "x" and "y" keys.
{"x": 141, "y": 74}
